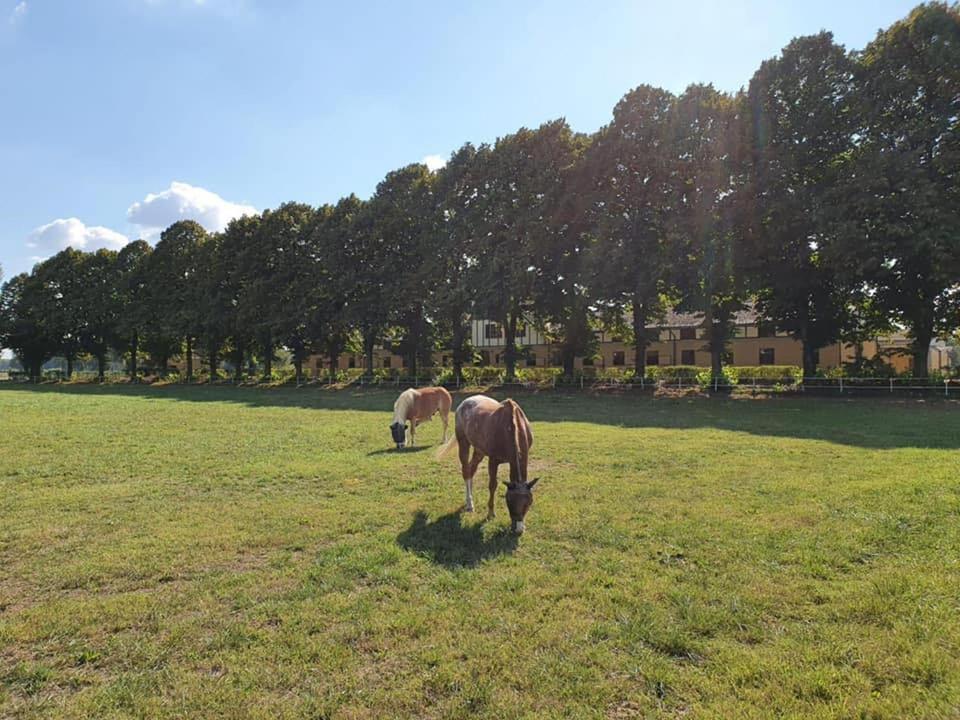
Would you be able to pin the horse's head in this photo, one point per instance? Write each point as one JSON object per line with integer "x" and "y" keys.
{"x": 399, "y": 432}
{"x": 519, "y": 500}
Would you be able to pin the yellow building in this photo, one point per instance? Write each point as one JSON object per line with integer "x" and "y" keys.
{"x": 680, "y": 340}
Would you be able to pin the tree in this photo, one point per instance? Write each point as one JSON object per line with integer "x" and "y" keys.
{"x": 99, "y": 305}
{"x": 371, "y": 256}
{"x": 904, "y": 174}
{"x": 133, "y": 316}
{"x": 331, "y": 283}
{"x": 60, "y": 288}
{"x": 631, "y": 172}
{"x": 23, "y": 324}
{"x": 799, "y": 105}
{"x": 562, "y": 293}
{"x": 173, "y": 286}
{"x": 243, "y": 314}
{"x": 513, "y": 183}
{"x": 455, "y": 222}
{"x": 707, "y": 148}
{"x": 403, "y": 210}
{"x": 287, "y": 289}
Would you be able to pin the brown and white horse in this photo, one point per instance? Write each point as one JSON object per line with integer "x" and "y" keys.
{"x": 418, "y": 406}
{"x": 501, "y": 433}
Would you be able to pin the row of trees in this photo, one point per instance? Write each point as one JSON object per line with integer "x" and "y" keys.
{"x": 827, "y": 193}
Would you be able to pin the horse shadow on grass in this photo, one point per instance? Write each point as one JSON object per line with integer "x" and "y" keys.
{"x": 447, "y": 541}
{"x": 394, "y": 451}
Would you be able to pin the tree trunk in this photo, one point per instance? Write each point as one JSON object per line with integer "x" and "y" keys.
{"x": 268, "y": 361}
{"x": 922, "y": 335}
{"x": 510, "y": 353}
{"x": 70, "y": 359}
{"x": 238, "y": 354}
{"x": 334, "y": 364}
{"x": 809, "y": 362}
{"x": 640, "y": 339}
{"x": 101, "y": 365}
{"x": 809, "y": 359}
{"x": 459, "y": 335}
{"x": 214, "y": 363}
{"x": 298, "y": 366}
{"x": 569, "y": 360}
{"x": 716, "y": 333}
{"x": 189, "y": 359}
{"x": 368, "y": 342}
{"x": 134, "y": 351}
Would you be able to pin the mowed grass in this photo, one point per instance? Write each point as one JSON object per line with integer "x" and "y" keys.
{"x": 215, "y": 552}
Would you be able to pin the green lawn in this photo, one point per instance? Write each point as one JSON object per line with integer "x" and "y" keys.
{"x": 214, "y": 552}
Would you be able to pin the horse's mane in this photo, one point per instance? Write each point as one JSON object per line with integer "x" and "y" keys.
{"x": 402, "y": 405}
{"x": 519, "y": 437}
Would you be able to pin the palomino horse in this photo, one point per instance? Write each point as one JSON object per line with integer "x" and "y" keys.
{"x": 418, "y": 406}
{"x": 501, "y": 432}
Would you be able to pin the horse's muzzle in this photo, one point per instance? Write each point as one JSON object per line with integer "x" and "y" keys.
{"x": 400, "y": 446}
{"x": 518, "y": 527}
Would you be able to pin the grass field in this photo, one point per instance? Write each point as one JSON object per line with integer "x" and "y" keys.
{"x": 214, "y": 552}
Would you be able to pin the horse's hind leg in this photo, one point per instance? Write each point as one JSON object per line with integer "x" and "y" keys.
{"x": 445, "y": 418}
{"x": 469, "y": 468}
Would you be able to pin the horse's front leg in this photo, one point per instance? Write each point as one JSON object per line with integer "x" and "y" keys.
{"x": 413, "y": 431}
{"x": 492, "y": 466}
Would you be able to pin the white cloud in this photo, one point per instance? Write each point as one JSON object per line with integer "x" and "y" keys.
{"x": 62, "y": 233}
{"x": 182, "y": 201}
{"x": 19, "y": 10}
{"x": 434, "y": 162}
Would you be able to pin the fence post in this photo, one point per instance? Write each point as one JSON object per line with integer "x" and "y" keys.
{"x": 841, "y": 384}
{"x": 714, "y": 383}
{"x": 891, "y": 385}
{"x": 946, "y": 388}
{"x": 680, "y": 382}
{"x": 581, "y": 382}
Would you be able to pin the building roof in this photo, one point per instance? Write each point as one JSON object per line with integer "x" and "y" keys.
{"x": 672, "y": 319}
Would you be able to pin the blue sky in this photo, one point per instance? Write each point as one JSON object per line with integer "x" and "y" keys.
{"x": 119, "y": 116}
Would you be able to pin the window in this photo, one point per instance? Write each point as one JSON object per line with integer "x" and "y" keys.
{"x": 653, "y": 357}
{"x": 532, "y": 360}
{"x": 352, "y": 363}
{"x": 766, "y": 356}
{"x": 484, "y": 358}
{"x": 688, "y": 333}
{"x": 619, "y": 358}
{"x": 766, "y": 329}
{"x": 386, "y": 361}
{"x": 688, "y": 357}
{"x": 588, "y": 362}
{"x": 491, "y": 331}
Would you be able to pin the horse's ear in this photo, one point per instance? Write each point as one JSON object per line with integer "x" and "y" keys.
{"x": 532, "y": 483}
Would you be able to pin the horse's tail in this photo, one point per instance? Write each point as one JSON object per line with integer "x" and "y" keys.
{"x": 445, "y": 448}
{"x": 519, "y": 437}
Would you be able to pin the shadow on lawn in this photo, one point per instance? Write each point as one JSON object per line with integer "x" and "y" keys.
{"x": 874, "y": 423}
{"x": 446, "y": 541}
{"x": 393, "y": 450}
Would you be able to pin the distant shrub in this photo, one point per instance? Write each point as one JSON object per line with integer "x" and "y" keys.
{"x": 539, "y": 375}
{"x": 486, "y": 375}
{"x": 785, "y": 374}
